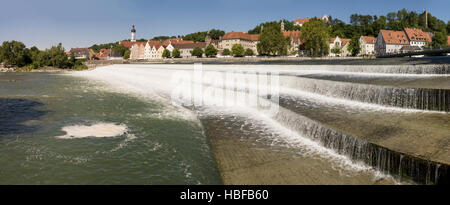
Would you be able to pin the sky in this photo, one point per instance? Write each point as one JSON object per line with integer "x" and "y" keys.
{"x": 82, "y": 23}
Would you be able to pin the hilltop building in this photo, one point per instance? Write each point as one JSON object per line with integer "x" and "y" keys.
{"x": 300, "y": 22}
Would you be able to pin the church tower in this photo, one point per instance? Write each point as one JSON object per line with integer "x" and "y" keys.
{"x": 282, "y": 26}
{"x": 133, "y": 34}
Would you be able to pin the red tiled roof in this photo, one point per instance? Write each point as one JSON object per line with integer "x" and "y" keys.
{"x": 190, "y": 45}
{"x": 345, "y": 41}
{"x": 127, "y": 44}
{"x": 103, "y": 54}
{"x": 417, "y": 35}
{"x": 294, "y": 35}
{"x": 174, "y": 41}
{"x": 448, "y": 40}
{"x": 304, "y": 20}
{"x": 332, "y": 40}
{"x": 154, "y": 42}
{"x": 241, "y": 35}
{"x": 394, "y": 37}
{"x": 369, "y": 39}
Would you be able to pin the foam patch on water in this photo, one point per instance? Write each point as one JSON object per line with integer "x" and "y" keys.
{"x": 99, "y": 130}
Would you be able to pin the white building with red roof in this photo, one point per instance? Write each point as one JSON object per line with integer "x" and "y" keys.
{"x": 367, "y": 45}
{"x": 300, "y": 22}
{"x": 417, "y": 37}
{"x": 340, "y": 43}
{"x": 389, "y": 41}
{"x": 246, "y": 40}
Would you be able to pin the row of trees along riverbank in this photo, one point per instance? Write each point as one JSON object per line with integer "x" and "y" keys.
{"x": 15, "y": 54}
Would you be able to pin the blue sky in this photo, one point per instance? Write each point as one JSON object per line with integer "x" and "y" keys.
{"x": 82, "y": 23}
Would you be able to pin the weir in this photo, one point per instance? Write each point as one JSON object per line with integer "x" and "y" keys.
{"x": 383, "y": 159}
{"x": 397, "y": 138}
{"x": 412, "y": 98}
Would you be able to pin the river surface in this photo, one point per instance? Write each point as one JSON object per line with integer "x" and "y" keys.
{"x": 119, "y": 125}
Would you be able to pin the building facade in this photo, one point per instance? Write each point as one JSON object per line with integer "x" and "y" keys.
{"x": 417, "y": 37}
{"x": 389, "y": 42}
{"x": 300, "y": 22}
{"x": 367, "y": 45}
{"x": 341, "y": 44}
{"x": 248, "y": 41}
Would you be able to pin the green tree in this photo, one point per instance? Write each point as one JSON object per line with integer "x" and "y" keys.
{"x": 226, "y": 52}
{"x": 237, "y": 50}
{"x": 354, "y": 46}
{"x": 176, "y": 53}
{"x": 72, "y": 60}
{"x": 197, "y": 52}
{"x": 119, "y": 49}
{"x": 14, "y": 53}
{"x": 127, "y": 54}
{"x": 216, "y": 34}
{"x": 272, "y": 41}
{"x": 315, "y": 37}
{"x": 210, "y": 51}
{"x": 58, "y": 57}
{"x": 439, "y": 40}
{"x": 166, "y": 53}
{"x": 336, "y": 50}
{"x": 249, "y": 52}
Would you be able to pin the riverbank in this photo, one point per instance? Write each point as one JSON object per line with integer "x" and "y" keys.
{"x": 47, "y": 69}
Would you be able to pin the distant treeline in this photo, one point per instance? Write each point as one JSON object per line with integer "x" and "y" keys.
{"x": 15, "y": 54}
{"x": 368, "y": 25}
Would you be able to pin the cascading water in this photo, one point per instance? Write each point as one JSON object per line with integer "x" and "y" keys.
{"x": 319, "y": 110}
{"x": 412, "y": 98}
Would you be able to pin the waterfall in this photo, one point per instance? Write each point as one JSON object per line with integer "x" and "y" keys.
{"x": 388, "y": 161}
{"x": 411, "y": 98}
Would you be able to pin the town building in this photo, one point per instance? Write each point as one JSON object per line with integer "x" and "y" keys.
{"x": 367, "y": 45}
{"x": 341, "y": 44}
{"x": 389, "y": 42}
{"x": 417, "y": 37}
{"x": 294, "y": 37}
{"x": 248, "y": 41}
{"x": 80, "y": 53}
{"x": 187, "y": 48}
{"x": 300, "y": 22}
{"x": 137, "y": 51}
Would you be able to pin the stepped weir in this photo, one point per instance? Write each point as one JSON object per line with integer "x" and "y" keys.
{"x": 393, "y": 119}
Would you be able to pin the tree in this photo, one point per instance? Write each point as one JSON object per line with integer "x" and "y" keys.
{"x": 72, "y": 59}
{"x": 210, "y": 51}
{"x": 226, "y": 52}
{"x": 216, "y": 34}
{"x": 315, "y": 37}
{"x": 119, "y": 48}
{"x": 14, "y": 53}
{"x": 249, "y": 52}
{"x": 354, "y": 46}
{"x": 176, "y": 53}
{"x": 439, "y": 40}
{"x": 166, "y": 53}
{"x": 58, "y": 57}
{"x": 237, "y": 50}
{"x": 162, "y": 38}
{"x": 272, "y": 41}
{"x": 336, "y": 50}
{"x": 127, "y": 54}
{"x": 197, "y": 52}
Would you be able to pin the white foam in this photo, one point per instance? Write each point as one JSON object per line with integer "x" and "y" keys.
{"x": 99, "y": 130}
